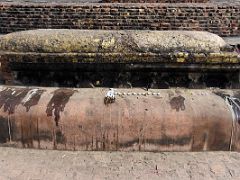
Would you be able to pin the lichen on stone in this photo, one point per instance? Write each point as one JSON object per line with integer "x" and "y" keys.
{"x": 102, "y": 41}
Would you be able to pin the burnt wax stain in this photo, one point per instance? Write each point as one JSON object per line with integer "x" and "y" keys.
{"x": 60, "y": 138}
{"x": 234, "y": 101}
{"x": 236, "y": 109}
{"x": 177, "y": 103}
{"x": 12, "y": 97}
{"x": 165, "y": 141}
{"x": 58, "y": 102}
{"x": 33, "y": 100}
{"x": 4, "y": 134}
{"x": 221, "y": 94}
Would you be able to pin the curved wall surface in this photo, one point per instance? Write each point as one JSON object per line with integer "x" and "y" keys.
{"x": 136, "y": 120}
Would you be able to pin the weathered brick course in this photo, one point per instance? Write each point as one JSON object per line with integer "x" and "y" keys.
{"x": 222, "y": 19}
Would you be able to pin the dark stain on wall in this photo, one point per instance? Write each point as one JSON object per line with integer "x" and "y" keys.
{"x": 10, "y": 98}
{"x": 233, "y": 101}
{"x": 60, "y": 138}
{"x": 165, "y": 141}
{"x": 58, "y": 102}
{"x": 4, "y": 134}
{"x": 177, "y": 103}
{"x": 33, "y": 99}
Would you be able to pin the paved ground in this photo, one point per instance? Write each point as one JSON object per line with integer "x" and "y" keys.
{"x": 40, "y": 164}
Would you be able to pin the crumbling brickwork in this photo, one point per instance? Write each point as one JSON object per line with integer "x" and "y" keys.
{"x": 222, "y": 19}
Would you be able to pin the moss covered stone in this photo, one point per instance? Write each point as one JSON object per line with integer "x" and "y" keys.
{"x": 101, "y": 41}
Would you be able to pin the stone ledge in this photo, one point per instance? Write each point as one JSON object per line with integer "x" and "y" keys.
{"x": 180, "y": 57}
{"x": 102, "y": 41}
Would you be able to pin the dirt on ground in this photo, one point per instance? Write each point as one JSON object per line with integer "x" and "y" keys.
{"x": 94, "y": 1}
{"x": 45, "y": 164}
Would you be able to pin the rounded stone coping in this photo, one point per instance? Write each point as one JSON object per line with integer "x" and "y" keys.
{"x": 113, "y": 41}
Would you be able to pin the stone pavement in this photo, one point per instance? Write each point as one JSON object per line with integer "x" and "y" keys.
{"x": 41, "y": 164}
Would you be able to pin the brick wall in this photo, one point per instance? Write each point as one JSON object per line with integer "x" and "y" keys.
{"x": 222, "y": 19}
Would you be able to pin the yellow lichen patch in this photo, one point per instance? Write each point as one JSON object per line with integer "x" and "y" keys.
{"x": 234, "y": 60}
{"x": 199, "y": 58}
{"x": 214, "y": 58}
{"x": 74, "y": 60}
{"x": 181, "y": 60}
{"x": 181, "y": 57}
{"x": 180, "y": 54}
{"x": 108, "y": 43}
